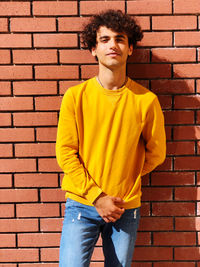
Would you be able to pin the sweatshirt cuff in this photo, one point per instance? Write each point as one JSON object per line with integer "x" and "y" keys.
{"x": 93, "y": 193}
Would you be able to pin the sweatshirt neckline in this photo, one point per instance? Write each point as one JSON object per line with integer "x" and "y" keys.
{"x": 111, "y": 92}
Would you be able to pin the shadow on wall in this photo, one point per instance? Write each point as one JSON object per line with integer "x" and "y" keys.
{"x": 169, "y": 225}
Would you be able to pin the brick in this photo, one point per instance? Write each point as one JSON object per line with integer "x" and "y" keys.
{"x": 6, "y": 150}
{"x": 5, "y": 120}
{"x": 52, "y": 195}
{"x": 37, "y": 210}
{"x": 156, "y": 194}
{"x": 18, "y": 195}
{"x": 187, "y": 70}
{"x": 150, "y": 70}
{"x": 7, "y": 211}
{"x": 143, "y": 22}
{"x": 156, "y": 224}
{"x": 166, "y": 166}
{"x": 48, "y": 165}
{"x": 39, "y": 240}
{"x": 49, "y": 254}
{"x": 187, "y": 253}
{"x": 187, "y": 132}
{"x": 48, "y": 103}
{"x": 15, "y": 72}
{"x": 198, "y": 208}
{"x": 145, "y": 209}
{"x": 35, "y": 150}
{"x": 14, "y": 9}
{"x": 174, "y": 239}
{"x": 49, "y": 8}
{"x": 19, "y": 255}
{"x": 174, "y": 264}
{"x": 165, "y": 101}
{"x": 97, "y": 254}
{"x": 179, "y": 117}
{"x": 15, "y": 40}
{"x": 174, "y": 22}
{"x": 71, "y": 24}
{"x": 152, "y": 253}
{"x": 56, "y": 72}
{"x": 172, "y": 178}
{"x": 186, "y": 6}
{"x": 149, "y": 7}
{"x": 33, "y": 24}
{"x": 55, "y": 40}
{"x": 5, "y": 88}
{"x": 180, "y": 148}
{"x": 17, "y": 165}
{"x": 138, "y": 264}
{"x": 143, "y": 239}
{"x": 51, "y": 225}
{"x": 173, "y": 54}
{"x": 173, "y": 209}
{"x": 168, "y": 131}
{"x": 198, "y": 178}
{"x": 5, "y": 180}
{"x": 187, "y": 102}
{"x": 3, "y": 24}
{"x": 16, "y": 103}
{"x": 91, "y": 7}
{"x": 39, "y": 265}
{"x": 41, "y": 134}
{"x": 16, "y": 135}
{"x": 187, "y": 193}
{"x": 35, "y": 119}
{"x": 4, "y": 56}
{"x": 64, "y": 85}
{"x": 35, "y": 88}
{"x": 7, "y": 240}
{"x": 36, "y": 180}
{"x": 187, "y": 38}
{"x": 19, "y": 225}
{"x": 34, "y": 56}
{"x": 155, "y": 39}
{"x": 140, "y": 56}
{"x": 187, "y": 163}
{"x": 180, "y": 86}
{"x": 76, "y": 56}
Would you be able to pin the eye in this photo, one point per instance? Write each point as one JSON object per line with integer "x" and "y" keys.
{"x": 104, "y": 40}
{"x": 119, "y": 40}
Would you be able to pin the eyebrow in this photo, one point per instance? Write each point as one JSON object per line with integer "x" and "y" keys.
{"x": 117, "y": 36}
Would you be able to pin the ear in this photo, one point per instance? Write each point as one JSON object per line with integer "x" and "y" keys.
{"x": 93, "y": 51}
{"x": 130, "y": 52}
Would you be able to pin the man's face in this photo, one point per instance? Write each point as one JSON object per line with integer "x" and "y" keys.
{"x": 112, "y": 48}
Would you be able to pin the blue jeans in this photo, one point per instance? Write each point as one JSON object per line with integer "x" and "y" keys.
{"x": 81, "y": 229}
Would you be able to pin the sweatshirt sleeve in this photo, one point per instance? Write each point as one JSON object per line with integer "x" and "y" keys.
{"x": 154, "y": 137}
{"x": 76, "y": 177}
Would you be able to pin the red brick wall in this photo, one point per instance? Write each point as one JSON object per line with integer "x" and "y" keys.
{"x": 39, "y": 60}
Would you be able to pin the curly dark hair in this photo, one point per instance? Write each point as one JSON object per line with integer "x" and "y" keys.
{"x": 115, "y": 20}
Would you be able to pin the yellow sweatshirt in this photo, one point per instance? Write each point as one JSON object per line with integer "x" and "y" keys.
{"x": 108, "y": 139}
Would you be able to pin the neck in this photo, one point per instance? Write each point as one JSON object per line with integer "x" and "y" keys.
{"x": 112, "y": 79}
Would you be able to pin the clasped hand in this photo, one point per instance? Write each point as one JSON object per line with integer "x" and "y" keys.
{"x": 109, "y": 208}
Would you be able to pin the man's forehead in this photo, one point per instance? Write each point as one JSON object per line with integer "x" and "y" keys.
{"x": 104, "y": 31}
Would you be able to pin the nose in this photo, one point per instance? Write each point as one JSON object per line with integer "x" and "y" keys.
{"x": 113, "y": 43}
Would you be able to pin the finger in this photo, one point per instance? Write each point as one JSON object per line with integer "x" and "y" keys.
{"x": 119, "y": 210}
{"x": 118, "y": 200}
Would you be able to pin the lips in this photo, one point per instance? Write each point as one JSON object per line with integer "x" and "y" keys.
{"x": 113, "y": 54}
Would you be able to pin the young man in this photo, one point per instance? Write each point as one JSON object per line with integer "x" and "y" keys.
{"x": 110, "y": 133}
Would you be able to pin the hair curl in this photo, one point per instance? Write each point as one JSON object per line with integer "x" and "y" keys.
{"x": 115, "y": 20}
